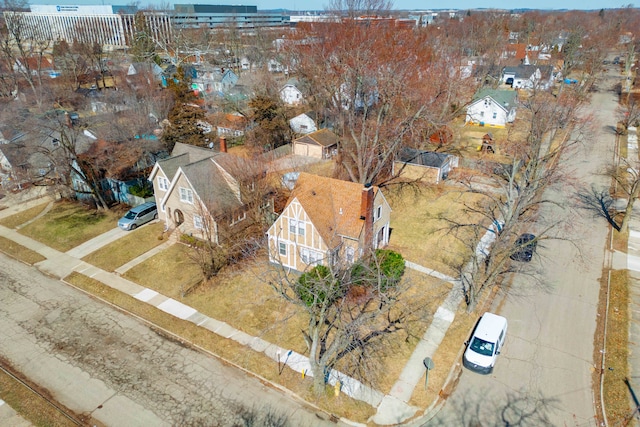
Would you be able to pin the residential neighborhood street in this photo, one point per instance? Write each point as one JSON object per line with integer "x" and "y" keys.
{"x": 102, "y": 363}
{"x": 544, "y": 374}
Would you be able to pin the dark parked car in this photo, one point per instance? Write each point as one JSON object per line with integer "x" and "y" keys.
{"x": 525, "y": 247}
{"x": 509, "y": 81}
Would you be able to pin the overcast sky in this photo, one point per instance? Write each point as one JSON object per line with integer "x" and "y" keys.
{"x": 398, "y": 4}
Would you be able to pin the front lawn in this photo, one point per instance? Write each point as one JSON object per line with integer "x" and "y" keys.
{"x": 69, "y": 224}
{"x": 19, "y": 252}
{"x": 170, "y": 272}
{"x": 123, "y": 250}
{"x": 243, "y": 298}
{"x": 20, "y": 218}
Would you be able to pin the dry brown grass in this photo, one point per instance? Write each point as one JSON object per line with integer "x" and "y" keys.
{"x": 228, "y": 350}
{"x": 616, "y": 393}
{"x": 169, "y": 272}
{"x": 426, "y": 294}
{"x": 19, "y": 252}
{"x": 30, "y": 405}
{"x": 123, "y": 250}
{"x": 21, "y": 217}
{"x": 420, "y": 234}
{"x": 243, "y": 299}
{"x": 446, "y": 356}
{"x": 623, "y": 147}
{"x": 69, "y": 224}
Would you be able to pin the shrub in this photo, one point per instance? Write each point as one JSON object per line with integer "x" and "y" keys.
{"x": 316, "y": 286}
{"x": 391, "y": 267}
{"x": 144, "y": 189}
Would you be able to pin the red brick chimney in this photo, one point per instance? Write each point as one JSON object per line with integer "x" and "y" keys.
{"x": 366, "y": 214}
{"x": 223, "y": 144}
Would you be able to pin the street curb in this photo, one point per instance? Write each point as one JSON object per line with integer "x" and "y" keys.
{"x": 196, "y": 347}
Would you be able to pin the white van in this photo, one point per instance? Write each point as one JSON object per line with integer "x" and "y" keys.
{"x": 485, "y": 344}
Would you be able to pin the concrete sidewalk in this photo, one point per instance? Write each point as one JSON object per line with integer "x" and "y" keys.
{"x": 631, "y": 261}
{"x": 392, "y": 409}
{"x": 9, "y": 417}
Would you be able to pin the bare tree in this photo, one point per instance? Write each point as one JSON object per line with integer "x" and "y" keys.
{"x": 383, "y": 87}
{"x": 628, "y": 114}
{"x": 23, "y": 47}
{"x": 231, "y": 217}
{"x": 356, "y": 8}
{"x": 513, "y": 193}
{"x": 351, "y": 309}
{"x": 627, "y": 179}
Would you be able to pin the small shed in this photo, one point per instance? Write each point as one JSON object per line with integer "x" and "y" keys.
{"x": 428, "y": 166}
{"x": 321, "y": 144}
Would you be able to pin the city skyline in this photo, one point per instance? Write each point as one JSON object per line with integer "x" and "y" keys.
{"x": 301, "y": 5}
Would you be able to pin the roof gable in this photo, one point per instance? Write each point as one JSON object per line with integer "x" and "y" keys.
{"x": 333, "y": 206}
{"x": 322, "y": 137}
{"x": 506, "y": 99}
{"x": 211, "y": 187}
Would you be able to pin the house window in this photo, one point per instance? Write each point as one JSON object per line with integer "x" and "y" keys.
{"x": 186, "y": 195}
{"x": 163, "y": 183}
{"x": 282, "y": 249}
{"x": 237, "y": 217}
{"x": 296, "y": 227}
{"x": 481, "y": 113}
{"x": 305, "y": 127}
{"x": 495, "y": 115}
{"x": 349, "y": 255}
{"x": 197, "y": 222}
{"x": 378, "y": 213}
{"x": 310, "y": 257}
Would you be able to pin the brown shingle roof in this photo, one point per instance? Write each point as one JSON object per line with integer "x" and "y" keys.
{"x": 323, "y": 137}
{"x": 333, "y": 206}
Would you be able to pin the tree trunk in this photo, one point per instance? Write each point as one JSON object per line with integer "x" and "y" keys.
{"x": 624, "y": 226}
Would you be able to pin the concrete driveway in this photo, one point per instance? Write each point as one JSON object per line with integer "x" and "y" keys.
{"x": 544, "y": 374}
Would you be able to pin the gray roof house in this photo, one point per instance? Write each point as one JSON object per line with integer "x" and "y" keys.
{"x": 529, "y": 76}
{"x": 200, "y": 191}
{"x": 492, "y": 107}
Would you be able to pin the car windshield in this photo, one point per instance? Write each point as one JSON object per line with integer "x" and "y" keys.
{"x": 130, "y": 215}
{"x": 482, "y": 347}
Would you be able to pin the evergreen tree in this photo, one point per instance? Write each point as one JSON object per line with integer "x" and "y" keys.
{"x": 185, "y": 116}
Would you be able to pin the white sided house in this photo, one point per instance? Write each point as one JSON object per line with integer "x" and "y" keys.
{"x": 304, "y": 123}
{"x": 491, "y": 107}
{"x": 526, "y": 76}
{"x": 290, "y": 94}
{"x": 330, "y": 222}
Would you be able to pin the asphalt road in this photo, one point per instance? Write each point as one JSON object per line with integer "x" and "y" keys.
{"x": 544, "y": 374}
{"x": 100, "y": 362}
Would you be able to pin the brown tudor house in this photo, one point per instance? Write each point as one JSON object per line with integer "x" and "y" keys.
{"x": 328, "y": 221}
